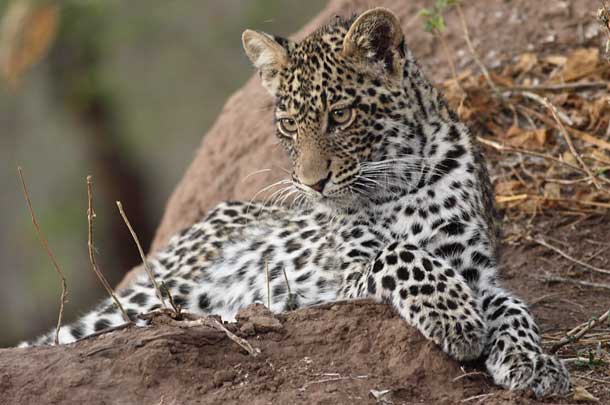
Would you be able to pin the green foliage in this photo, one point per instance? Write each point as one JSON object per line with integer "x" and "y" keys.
{"x": 434, "y": 20}
{"x": 592, "y": 361}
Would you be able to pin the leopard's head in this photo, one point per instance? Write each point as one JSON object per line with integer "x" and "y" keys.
{"x": 337, "y": 94}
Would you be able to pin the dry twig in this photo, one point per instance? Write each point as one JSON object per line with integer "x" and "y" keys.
{"x": 578, "y": 332}
{"x": 475, "y": 56}
{"x": 98, "y": 273}
{"x": 510, "y": 149}
{"x": 213, "y": 323}
{"x": 544, "y": 243}
{"x": 332, "y": 378}
{"x": 566, "y": 136}
{"x": 45, "y": 245}
{"x": 151, "y": 276}
{"x": 558, "y": 87}
{"x": 557, "y": 279}
{"x": 603, "y": 16}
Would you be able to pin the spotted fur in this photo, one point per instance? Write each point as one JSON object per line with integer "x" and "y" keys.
{"x": 391, "y": 200}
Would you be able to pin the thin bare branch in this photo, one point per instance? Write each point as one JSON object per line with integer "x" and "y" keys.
{"x": 96, "y": 270}
{"x": 544, "y": 243}
{"x": 566, "y": 137}
{"x": 510, "y": 149}
{"x": 151, "y": 276}
{"x": 45, "y": 245}
{"x": 578, "y": 332}
{"x": 213, "y": 323}
{"x": 558, "y": 87}
{"x": 473, "y": 52}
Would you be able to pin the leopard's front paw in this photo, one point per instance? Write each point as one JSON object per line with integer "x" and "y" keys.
{"x": 550, "y": 377}
{"x": 544, "y": 374}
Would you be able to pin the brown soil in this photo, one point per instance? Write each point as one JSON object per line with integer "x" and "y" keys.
{"x": 343, "y": 352}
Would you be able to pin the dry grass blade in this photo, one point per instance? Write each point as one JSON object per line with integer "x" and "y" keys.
{"x": 291, "y": 298}
{"x": 45, "y": 244}
{"x": 544, "y": 243}
{"x": 96, "y": 270}
{"x": 151, "y": 276}
{"x": 559, "y": 87}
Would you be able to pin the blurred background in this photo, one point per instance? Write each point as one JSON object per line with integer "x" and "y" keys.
{"x": 120, "y": 90}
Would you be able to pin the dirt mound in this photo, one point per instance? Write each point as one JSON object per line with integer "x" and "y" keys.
{"x": 333, "y": 354}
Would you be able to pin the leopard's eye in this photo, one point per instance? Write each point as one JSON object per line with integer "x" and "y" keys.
{"x": 341, "y": 117}
{"x": 287, "y": 126}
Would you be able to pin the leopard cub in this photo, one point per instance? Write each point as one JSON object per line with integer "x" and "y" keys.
{"x": 395, "y": 204}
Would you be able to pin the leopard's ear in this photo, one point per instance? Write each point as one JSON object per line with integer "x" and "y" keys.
{"x": 268, "y": 55}
{"x": 375, "y": 38}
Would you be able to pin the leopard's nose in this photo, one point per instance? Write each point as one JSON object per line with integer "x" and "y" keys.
{"x": 319, "y": 186}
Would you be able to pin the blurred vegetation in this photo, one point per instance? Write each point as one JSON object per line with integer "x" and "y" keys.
{"x": 120, "y": 90}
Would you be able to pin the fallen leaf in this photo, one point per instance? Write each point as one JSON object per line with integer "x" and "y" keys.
{"x": 580, "y": 63}
{"x": 382, "y": 396}
{"x": 582, "y": 395}
{"x": 552, "y": 190}
{"x": 556, "y": 60}
{"x": 528, "y": 139}
{"x": 569, "y": 158}
{"x": 508, "y": 187}
{"x": 526, "y": 62}
{"x": 498, "y": 79}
